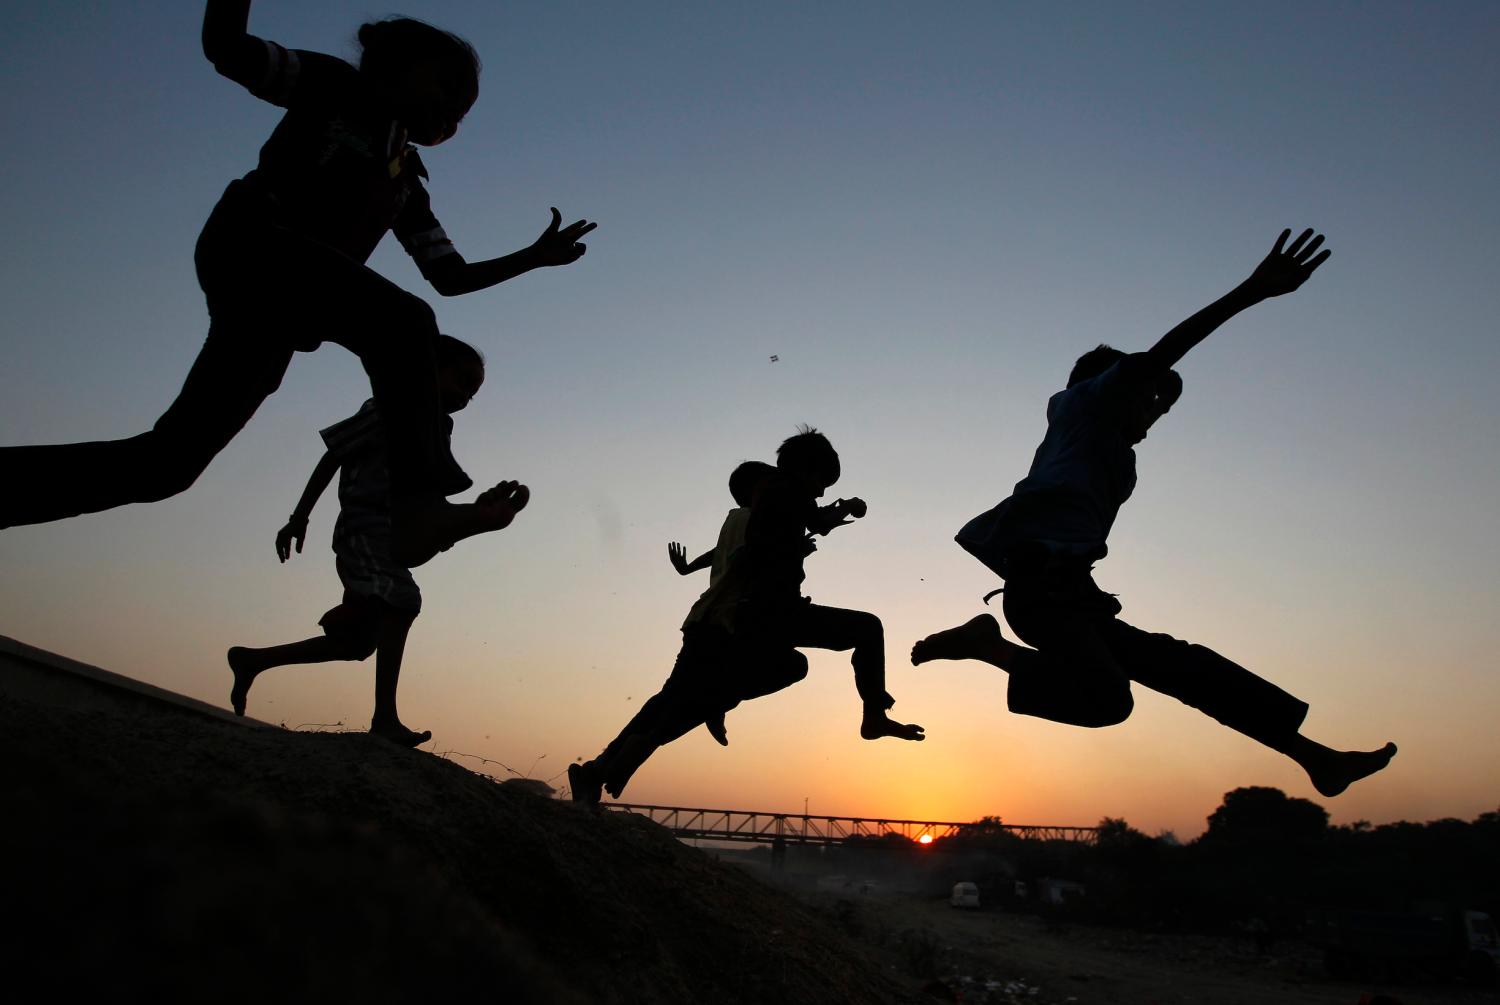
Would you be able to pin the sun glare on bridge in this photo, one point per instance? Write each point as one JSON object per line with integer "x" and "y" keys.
{"x": 925, "y": 839}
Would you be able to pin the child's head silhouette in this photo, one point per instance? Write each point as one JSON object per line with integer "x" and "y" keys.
{"x": 744, "y": 480}
{"x": 1094, "y": 362}
{"x": 460, "y": 372}
{"x": 809, "y": 457}
{"x": 430, "y": 76}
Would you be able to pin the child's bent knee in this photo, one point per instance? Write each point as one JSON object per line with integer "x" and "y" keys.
{"x": 414, "y": 314}
{"x": 357, "y": 649}
{"x": 869, "y": 626}
{"x": 167, "y": 465}
{"x": 1115, "y": 709}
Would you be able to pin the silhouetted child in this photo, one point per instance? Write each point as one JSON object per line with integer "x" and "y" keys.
{"x": 1045, "y": 537}
{"x": 381, "y": 598}
{"x": 741, "y": 637}
{"x": 741, "y": 683}
{"x": 281, "y": 262}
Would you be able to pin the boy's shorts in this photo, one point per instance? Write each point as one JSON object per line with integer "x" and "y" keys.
{"x": 356, "y": 622}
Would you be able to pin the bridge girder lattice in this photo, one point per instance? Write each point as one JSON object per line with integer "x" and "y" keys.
{"x": 759, "y": 827}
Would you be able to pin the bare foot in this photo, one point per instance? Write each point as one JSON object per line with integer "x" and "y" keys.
{"x": 421, "y": 530}
{"x": 245, "y": 671}
{"x": 399, "y": 734}
{"x": 585, "y": 784}
{"x": 715, "y": 724}
{"x": 1333, "y": 773}
{"x": 631, "y": 754}
{"x": 878, "y": 724}
{"x": 976, "y": 639}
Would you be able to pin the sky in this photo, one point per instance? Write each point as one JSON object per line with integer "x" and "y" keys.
{"x": 924, "y": 213}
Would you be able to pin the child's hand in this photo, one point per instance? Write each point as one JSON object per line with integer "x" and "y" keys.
{"x": 1284, "y": 271}
{"x": 855, "y": 507}
{"x": 295, "y": 530}
{"x": 560, "y": 247}
{"x": 677, "y": 555}
{"x": 839, "y": 513}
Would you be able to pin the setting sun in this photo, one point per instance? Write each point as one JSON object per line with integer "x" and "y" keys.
{"x": 925, "y": 839}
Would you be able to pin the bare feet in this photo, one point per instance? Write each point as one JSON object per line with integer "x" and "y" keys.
{"x": 976, "y": 639}
{"x": 1335, "y": 771}
{"x": 395, "y": 732}
{"x": 421, "y": 530}
{"x": 715, "y": 724}
{"x": 245, "y": 671}
{"x": 585, "y": 784}
{"x": 878, "y": 724}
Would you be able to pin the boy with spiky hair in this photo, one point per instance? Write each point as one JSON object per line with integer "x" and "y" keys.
{"x": 1044, "y": 539}
{"x": 740, "y": 640}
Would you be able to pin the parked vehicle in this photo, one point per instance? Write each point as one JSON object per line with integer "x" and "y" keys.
{"x": 964, "y": 895}
{"x": 1356, "y": 944}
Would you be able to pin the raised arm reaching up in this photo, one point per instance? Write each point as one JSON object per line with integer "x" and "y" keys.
{"x": 1282, "y": 271}
{"x": 227, "y": 42}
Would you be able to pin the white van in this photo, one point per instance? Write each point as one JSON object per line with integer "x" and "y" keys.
{"x": 964, "y": 895}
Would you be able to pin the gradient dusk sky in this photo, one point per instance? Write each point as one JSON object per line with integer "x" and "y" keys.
{"x": 925, "y": 211}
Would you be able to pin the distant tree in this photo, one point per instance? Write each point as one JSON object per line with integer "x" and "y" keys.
{"x": 986, "y": 832}
{"x": 986, "y": 827}
{"x": 1114, "y": 831}
{"x": 1258, "y": 814}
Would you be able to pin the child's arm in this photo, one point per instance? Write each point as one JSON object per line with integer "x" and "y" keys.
{"x": 1168, "y": 390}
{"x": 269, "y": 71}
{"x": 677, "y": 555}
{"x": 451, "y": 276}
{"x": 228, "y": 44}
{"x": 1281, "y": 272}
{"x": 836, "y": 514}
{"x": 296, "y": 524}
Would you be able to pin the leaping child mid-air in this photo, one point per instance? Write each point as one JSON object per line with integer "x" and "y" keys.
{"x": 740, "y": 638}
{"x": 1044, "y": 539}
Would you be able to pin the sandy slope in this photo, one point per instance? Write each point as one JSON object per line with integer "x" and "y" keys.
{"x": 158, "y": 854}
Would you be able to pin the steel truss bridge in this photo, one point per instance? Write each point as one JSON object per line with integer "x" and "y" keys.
{"x": 791, "y": 828}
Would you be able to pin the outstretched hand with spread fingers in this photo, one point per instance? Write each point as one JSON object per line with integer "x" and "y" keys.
{"x": 677, "y": 555}
{"x": 559, "y": 245}
{"x": 1287, "y": 268}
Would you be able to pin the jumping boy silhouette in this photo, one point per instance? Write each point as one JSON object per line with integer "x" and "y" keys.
{"x": 282, "y": 264}
{"x": 740, "y": 638}
{"x": 1045, "y": 537}
{"x": 773, "y": 672}
{"x": 381, "y": 598}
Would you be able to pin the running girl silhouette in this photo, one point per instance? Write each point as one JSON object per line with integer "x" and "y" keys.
{"x": 282, "y": 264}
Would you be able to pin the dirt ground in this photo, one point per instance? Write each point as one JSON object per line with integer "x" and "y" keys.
{"x": 995, "y": 957}
{"x": 150, "y": 853}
